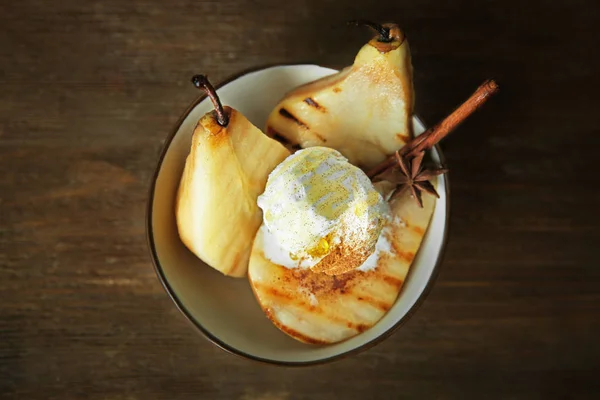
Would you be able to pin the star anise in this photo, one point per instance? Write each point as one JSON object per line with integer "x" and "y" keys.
{"x": 409, "y": 159}
{"x": 414, "y": 177}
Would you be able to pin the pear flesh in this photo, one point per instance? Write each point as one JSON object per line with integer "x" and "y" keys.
{"x": 321, "y": 309}
{"x": 364, "y": 111}
{"x": 225, "y": 172}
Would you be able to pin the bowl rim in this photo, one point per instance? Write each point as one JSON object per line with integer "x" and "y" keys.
{"x": 205, "y": 332}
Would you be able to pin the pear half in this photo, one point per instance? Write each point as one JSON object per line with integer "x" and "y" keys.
{"x": 364, "y": 111}
{"x": 226, "y": 170}
{"x": 323, "y": 309}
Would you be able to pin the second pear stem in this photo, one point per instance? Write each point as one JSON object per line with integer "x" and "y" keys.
{"x": 433, "y": 135}
{"x": 384, "y": 33}
{"x": 202, "y": 82}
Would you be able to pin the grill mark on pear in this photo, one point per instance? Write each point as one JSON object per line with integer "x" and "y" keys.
{"x": 415, "y": 228}
{"x": 320, "y": 137}
{"x": 271, "y": 291}
{"x": 311, "y": 102}
{"x": 292, "y": 300}
{"x": 395, "y": 282}
{"x": 292, "y": 332}
{"x": 418, "y": 230}
{"x": 286, "y": 114}
{"x": 274, "y": 134}
{"x": 381, "y": 305}
{"x": 407, "y": 256}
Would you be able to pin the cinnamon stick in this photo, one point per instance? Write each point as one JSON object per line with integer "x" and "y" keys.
{"x": 433, "y": 135}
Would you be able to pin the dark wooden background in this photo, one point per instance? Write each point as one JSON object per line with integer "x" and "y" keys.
{"x": 90, "y": 89}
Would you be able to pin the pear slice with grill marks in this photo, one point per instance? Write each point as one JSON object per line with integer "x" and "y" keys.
{"x": 364, "y": 111}
{"x": 323, "y": 309}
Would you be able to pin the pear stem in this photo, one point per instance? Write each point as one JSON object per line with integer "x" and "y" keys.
{"x": 433, "y": 135}
{"x": 384, "y": 33}
{"x": 202, "y": 82}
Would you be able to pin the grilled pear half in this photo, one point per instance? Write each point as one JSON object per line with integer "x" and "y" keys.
{"x": 364, "y": 111}
{"x": 323, "y": 309}
{"x": 225, "y": 172}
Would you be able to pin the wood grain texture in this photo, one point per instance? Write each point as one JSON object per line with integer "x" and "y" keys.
{"x": 89, "y": 91}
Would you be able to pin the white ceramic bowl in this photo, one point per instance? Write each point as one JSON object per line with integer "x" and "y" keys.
{"x": 223, "y": 308}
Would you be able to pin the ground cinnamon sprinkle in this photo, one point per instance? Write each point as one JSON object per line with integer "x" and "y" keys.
{"x": 350, "y": 254}
{"x": 320, "y": 284}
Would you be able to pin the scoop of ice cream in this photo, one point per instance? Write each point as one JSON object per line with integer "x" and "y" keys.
{"x": 323, "y": 210}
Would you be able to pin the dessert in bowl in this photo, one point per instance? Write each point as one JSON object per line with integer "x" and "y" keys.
{"x": 222, "y": 209}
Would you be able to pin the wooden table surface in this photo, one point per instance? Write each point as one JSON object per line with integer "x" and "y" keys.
{"x": 90, "y": 90}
